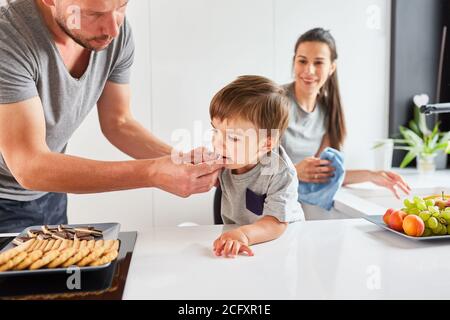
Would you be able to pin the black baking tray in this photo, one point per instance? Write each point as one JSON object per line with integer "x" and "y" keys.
{"x": 109, "y": 230}
{"x": 107, "y": 283}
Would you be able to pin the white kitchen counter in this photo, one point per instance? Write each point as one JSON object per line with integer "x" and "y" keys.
{"x": 334, "y": 259}
{"x": 358, "y": 200}
{"x": 323, "y": 259}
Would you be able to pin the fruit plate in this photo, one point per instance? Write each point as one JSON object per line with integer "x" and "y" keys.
{"x": 110, "y": 231}
{"x": 378, "y": 220}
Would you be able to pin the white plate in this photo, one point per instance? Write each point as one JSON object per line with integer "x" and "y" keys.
{"x": 378, "y": 220}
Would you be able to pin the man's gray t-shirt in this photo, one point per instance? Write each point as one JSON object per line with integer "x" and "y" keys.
{"x": 31, "y": 66}
{"x": 306, "y": 130}
{"x": 269, "y": 189}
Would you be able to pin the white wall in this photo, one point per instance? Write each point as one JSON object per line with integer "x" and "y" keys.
{"x": 189, "y": 49}
{"x": 363, "y": 47}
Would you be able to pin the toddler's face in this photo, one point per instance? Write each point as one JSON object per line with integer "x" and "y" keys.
{"x": 239, "y": 142}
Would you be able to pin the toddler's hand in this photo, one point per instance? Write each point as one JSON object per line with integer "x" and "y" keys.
{"x": 232, "y": 243}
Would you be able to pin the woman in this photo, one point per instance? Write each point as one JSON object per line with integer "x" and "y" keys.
{"x": 317, "y": 117}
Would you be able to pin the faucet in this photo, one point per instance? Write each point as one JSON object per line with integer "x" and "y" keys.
{"x": 435, "y": 108}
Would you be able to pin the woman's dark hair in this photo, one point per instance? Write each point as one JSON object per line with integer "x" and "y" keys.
{"x": 329, "y": 95}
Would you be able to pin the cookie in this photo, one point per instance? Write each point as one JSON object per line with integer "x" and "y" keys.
{"x": 49, "y": 245}
{"x": 29, "y": 260}
{"x": 77, "y": 257}
{"x": 57, "y": 245}
{"x": 99, "y": 243}
{"x": 13, "y": 262}
{"x": 107, "y": 258}
{"x": 20, "y": 240}
{"x": 63, "y": 257}
{"x": 42, "y": 245}
{"x": 83, "y": 244}
{"x": 95, "y": 254}
{"x": 108, "y": 244}
{"x": 115, "y": 246}
{"x": 76, "y": 243}
{"x": 64, "y": 245}
{"x": 34, "y": 245}
{"x": 11, "y": 253}
{"x": 91, "y": 244}
{"x": 45, "y": 260}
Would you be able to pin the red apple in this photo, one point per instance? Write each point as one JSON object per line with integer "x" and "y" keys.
{"x": 396, "y": 220}
{"x": 387, "y": 215}
{"x": 413, "y": 226}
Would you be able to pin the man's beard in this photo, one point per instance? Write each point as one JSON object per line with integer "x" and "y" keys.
{"x": 82, "y": 42}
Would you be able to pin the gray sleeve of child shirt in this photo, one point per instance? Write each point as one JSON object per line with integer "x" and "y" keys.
{"x": 282, "y": 198}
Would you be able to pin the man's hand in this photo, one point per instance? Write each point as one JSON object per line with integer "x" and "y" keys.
{"x": 184, "y": 179}
{"x": 200, "y": 155}
{"x": 232, "y": 243}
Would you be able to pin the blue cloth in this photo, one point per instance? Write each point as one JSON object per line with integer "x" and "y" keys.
{"x": 322, "y": 194}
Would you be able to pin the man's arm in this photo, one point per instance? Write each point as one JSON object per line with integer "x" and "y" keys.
{"x": 36, "y": 167}
{"x": 122, "y": 130}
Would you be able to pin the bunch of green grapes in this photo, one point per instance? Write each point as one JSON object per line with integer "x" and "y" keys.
{"x": 437, "y": 221}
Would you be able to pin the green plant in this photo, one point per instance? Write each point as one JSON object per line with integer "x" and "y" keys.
{"x": 419, "y": 140}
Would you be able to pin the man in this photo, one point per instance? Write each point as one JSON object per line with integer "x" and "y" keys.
{"x": 58, "y": 58}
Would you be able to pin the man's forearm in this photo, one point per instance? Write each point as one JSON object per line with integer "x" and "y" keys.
{"x": 266, "y": 229}
{"x": 54, "y": 172}
{"x": 133, "y": 139}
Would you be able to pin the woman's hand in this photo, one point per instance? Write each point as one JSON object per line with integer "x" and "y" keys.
{"x": 390, "y": 180}
{"x": 232, "y": 243}
{"x": 314, "y": 170}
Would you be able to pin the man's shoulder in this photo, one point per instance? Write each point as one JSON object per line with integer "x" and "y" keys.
{"x": 15, "y": 28}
